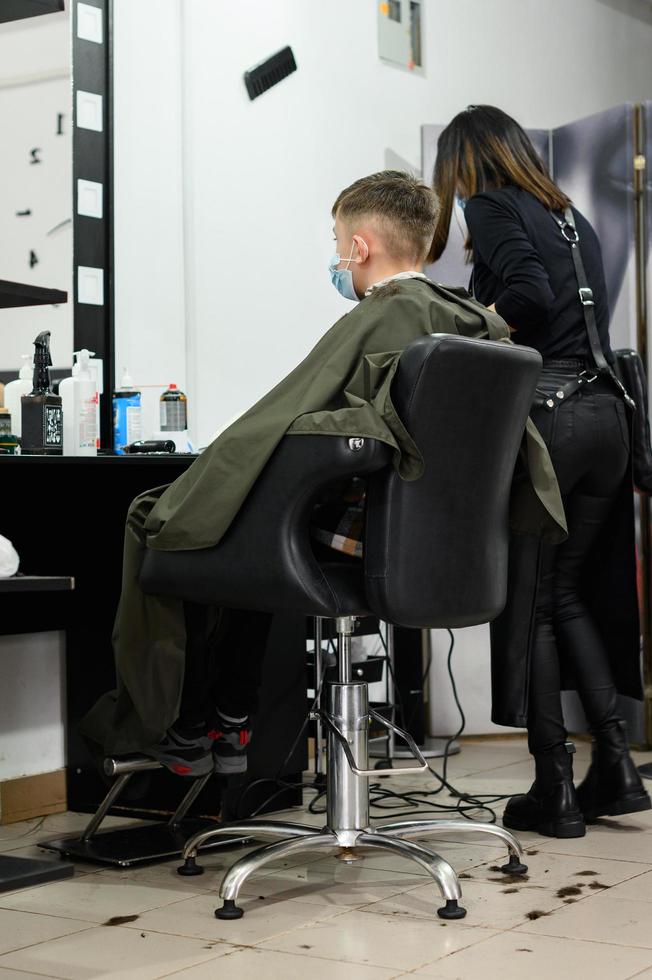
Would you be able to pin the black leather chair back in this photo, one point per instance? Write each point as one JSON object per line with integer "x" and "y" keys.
{"x": 436, "y": 547}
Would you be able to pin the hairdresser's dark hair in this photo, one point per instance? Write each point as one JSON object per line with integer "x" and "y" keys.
{"x": 483, "y": 149}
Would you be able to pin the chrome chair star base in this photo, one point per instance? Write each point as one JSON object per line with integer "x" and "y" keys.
{"x": 347, "y": 825}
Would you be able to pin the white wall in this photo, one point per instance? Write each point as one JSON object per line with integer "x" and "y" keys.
{"x": 35, "y": 47}
{"x": 258, "y": 179}
{"x": 32, "y": 703}
{"x": 247, "y": 297}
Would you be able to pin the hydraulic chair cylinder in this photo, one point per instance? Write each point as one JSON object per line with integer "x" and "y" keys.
{"x": 348, "y": 794}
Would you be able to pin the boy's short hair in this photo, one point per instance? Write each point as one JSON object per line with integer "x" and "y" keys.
{"x": 407, "y": 210}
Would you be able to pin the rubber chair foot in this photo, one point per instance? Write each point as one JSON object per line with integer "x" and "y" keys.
{"x": 229, "y": 910}
{"x": 190, "y": 868}
{"x": 451, "y": 910}
{"x": 514, "y": 866}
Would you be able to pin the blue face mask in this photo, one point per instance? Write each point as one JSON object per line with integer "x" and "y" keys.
{"x": 342, "y": 279}
{"x": 461, "y": 201}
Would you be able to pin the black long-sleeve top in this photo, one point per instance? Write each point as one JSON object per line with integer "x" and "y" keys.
{"x": 522, "y": 263}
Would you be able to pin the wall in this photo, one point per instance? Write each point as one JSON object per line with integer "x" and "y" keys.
{"x": 259, "y": 178}
{"x": 37, "y": 47}
{"x": 32, "y": 704}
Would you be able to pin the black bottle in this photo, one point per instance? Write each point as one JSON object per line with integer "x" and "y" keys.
{"x": 42, "y": 415}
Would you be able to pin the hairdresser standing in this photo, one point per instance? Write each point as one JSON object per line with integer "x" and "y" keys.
{"x": 571, "y": 618}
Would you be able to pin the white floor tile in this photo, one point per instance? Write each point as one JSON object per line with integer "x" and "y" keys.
{"x": 90, "y": 899}
{"x": 637, "y": 888}
{"x": 624, "y": 839}
{"x": 122, "y": 954}
{"x": 623, "y": 922}
{"x": 474, "y": 850}
{"x": 512, "y": 956}
{"x": 380, "y": 940}
{"x": 251, "y": 964}
{"x": 18, "y": 929}
{"x": 7, "y": 974}
{"x": 549, "y": 870}
{"x": 337, "y": 884}
{"x": 194, "y": 917}
{"x": 58, "y": 825}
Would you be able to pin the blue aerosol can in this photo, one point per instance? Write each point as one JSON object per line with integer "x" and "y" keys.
{"x": 127, "y": 415}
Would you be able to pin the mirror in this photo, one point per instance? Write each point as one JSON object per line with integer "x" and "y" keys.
{"x": 36, "y": 247}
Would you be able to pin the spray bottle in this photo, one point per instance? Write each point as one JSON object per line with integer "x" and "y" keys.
{"x": 42, "y": 414}
{"x": 15, "y": 389}
{"x": 80, "y": 409}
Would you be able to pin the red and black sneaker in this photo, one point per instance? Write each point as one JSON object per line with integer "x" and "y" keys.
{"x": 230, "y": 740}
{"x": 187, "y": 754}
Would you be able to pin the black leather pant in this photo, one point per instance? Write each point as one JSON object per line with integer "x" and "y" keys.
{"x": 588, "y": 440}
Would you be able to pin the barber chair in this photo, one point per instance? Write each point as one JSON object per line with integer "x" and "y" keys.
{"x": 435, "y": 556}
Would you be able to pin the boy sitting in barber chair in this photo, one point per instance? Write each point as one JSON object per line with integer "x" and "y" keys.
{"x": 188, "y": 674}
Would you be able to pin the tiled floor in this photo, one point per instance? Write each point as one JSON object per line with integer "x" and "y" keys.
{"x": 584, "y": 910}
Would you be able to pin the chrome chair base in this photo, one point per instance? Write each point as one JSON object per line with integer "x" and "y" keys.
{"x": 389, "y": 837}
{"x": 347, "y": 826}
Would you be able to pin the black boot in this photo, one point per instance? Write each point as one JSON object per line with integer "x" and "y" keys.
{"x": 550, "y": 807}
{"x": 612, "y": 786}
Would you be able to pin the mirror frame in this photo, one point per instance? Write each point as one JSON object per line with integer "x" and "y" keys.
{"x": 92, "y": 159}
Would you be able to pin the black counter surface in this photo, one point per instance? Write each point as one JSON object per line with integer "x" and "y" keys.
{"x": 65, "y": 516}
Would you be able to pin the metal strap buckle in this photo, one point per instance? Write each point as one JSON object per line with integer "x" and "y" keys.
{"x": 586, "y": 296}
{"x": 569, "y": 232}
{"x": 587, "y": 380}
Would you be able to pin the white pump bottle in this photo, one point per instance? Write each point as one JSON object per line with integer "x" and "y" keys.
{"x": 16, "y": 389}
{"x": 80, "y": 409}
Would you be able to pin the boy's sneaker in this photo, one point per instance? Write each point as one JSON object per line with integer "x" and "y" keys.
{"x": 186, "y": 752}
{"x": 230, "y": 737}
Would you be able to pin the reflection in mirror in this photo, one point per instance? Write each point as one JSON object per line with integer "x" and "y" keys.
{"x": 35, "y": 191}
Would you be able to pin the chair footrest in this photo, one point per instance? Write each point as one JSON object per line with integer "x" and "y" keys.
{"x": 127, "y": 846}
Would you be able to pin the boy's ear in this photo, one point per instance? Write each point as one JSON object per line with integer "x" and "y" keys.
{"x": 363, "y": 249}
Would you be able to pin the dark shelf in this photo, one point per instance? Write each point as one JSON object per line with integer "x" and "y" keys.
{"x": 19, "y": 9}
{"x": 20, "y": 872}
{"x": 37, "y": 583}
{"x": 135, "y": 460}
{"x": 20, "y": 294}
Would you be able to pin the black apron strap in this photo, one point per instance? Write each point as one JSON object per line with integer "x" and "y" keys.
{"x": 570, "y": 234}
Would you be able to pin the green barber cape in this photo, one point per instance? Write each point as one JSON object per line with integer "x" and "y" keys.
{"x": 341, "y": 388}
